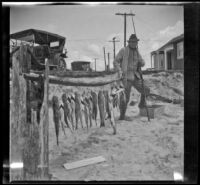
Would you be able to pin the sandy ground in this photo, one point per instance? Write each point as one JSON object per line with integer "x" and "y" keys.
{"x": 139, "y": 151}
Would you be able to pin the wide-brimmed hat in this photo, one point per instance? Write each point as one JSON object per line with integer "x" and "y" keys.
{"x": 133, "y": 38}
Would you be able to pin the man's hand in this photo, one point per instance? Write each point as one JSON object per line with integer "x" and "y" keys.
{"x": 120, "y": 73}
{"x": 140, "y": 64}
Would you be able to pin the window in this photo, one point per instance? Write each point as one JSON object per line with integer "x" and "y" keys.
{"x": 180, "y": 50}
{"x": 54, "y": 44}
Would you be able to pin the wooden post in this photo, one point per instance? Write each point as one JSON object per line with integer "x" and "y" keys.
{"x": 30, "y": 132}
{"x": 28, "y": 138}
{"x": 125, "y": 30}
{"x": 44, "y": 129}
{"x": 18, "y": 126}
{"x": 104, "y": 58}
{"x": 95, "y": 62}
{"x": 125, "y": 14}
{"x": 108, "y": 61}
{"x": 31, "y": 153}
{"x": 114, "y": 41}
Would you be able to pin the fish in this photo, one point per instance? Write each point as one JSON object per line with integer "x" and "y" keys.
{"x": 56, "y": 116}
{"x": 78, "y": 109}
{"x": 95, "y": 106}
{"x": 71, "y": 100}
{"x": 90, "y": 108}
{"x": 106, "y": 95}
{"x": 101, "y": 105}
{"x": 67, "y": 111}
{"x": 85, "y": 111}
{"x": 109, "y": 109}
{"x": 118, "y": 95}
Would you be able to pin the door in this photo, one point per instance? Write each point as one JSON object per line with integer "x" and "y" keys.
{"x": 169, "y": 60}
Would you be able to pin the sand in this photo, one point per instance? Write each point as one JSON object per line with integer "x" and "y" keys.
{"x": 140, "y": 150}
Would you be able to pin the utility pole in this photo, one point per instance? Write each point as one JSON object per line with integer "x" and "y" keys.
{"x": 108, "y": 61}
{"x": 125, "y": 14}
{"x": 104, "y": 57}
{"x": 95, "y": 63}
{"x": 114, "y": 46}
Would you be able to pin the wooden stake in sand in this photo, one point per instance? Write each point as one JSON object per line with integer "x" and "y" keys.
{"x": 84, "y": 162}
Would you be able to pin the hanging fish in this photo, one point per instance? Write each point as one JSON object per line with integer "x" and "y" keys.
{"x": 71, "y": 100}
{"x": 111, "y": 113}
{"x": 67, "y": 111}
{"x": 56, "y": 116}
{"x": 106, "y": 95}
{"x": 95, "y": 105}
{"x": 78, "y": 109}
{"x": 114, "y": 97}
{"x": 101, "y": 104}
{"x": 117, "y": 94}
{"x": 85, "y": 111}
{"x": 90, "y": 108}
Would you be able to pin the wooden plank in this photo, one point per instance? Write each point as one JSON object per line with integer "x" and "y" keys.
{"x": 80, "y": 74}
{"x": 82, "y": 81}
{"x": 44, "y": 129}
{"x": 15, "y": 150}
{"x": 84, "y": 162}
{"x": 18, "y": 109}
{"x": 31, "y": 154}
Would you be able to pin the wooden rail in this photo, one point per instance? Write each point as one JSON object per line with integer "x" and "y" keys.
{"x": 84, "y": 81}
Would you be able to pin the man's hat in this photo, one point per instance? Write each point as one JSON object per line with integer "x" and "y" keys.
{"x": 132, "y": 38}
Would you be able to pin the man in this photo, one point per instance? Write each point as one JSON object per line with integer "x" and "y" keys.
{"x": 127, "y": 61}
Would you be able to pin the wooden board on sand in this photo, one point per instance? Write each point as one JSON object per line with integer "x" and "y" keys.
{"x": 84, "y": 162}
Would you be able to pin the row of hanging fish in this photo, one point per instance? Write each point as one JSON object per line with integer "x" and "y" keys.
{"x": 82, "y": 109}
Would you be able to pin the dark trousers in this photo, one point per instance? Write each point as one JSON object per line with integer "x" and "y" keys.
{"x": 137, "y": 84}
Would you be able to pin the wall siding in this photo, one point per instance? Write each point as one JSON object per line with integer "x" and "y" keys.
{"x": 179, "y": 63}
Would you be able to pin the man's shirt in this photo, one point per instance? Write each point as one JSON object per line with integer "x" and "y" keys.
{"x": 127, "y": 59}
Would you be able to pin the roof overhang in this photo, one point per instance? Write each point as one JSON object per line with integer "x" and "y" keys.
{"x": 38, "y": 36}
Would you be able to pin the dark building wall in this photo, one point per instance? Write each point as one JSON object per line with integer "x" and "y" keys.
{"x": 179, "y": 63}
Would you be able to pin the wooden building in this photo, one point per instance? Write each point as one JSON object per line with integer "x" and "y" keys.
{"x": 170, "y": 56}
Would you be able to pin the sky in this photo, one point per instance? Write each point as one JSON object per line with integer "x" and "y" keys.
{"x": 89, "y": 28}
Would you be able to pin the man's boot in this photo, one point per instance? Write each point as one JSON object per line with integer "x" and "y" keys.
{"x": 142, "y": 103}
{"x": 122, "y": 108}
{"x": 122, "y": 113}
